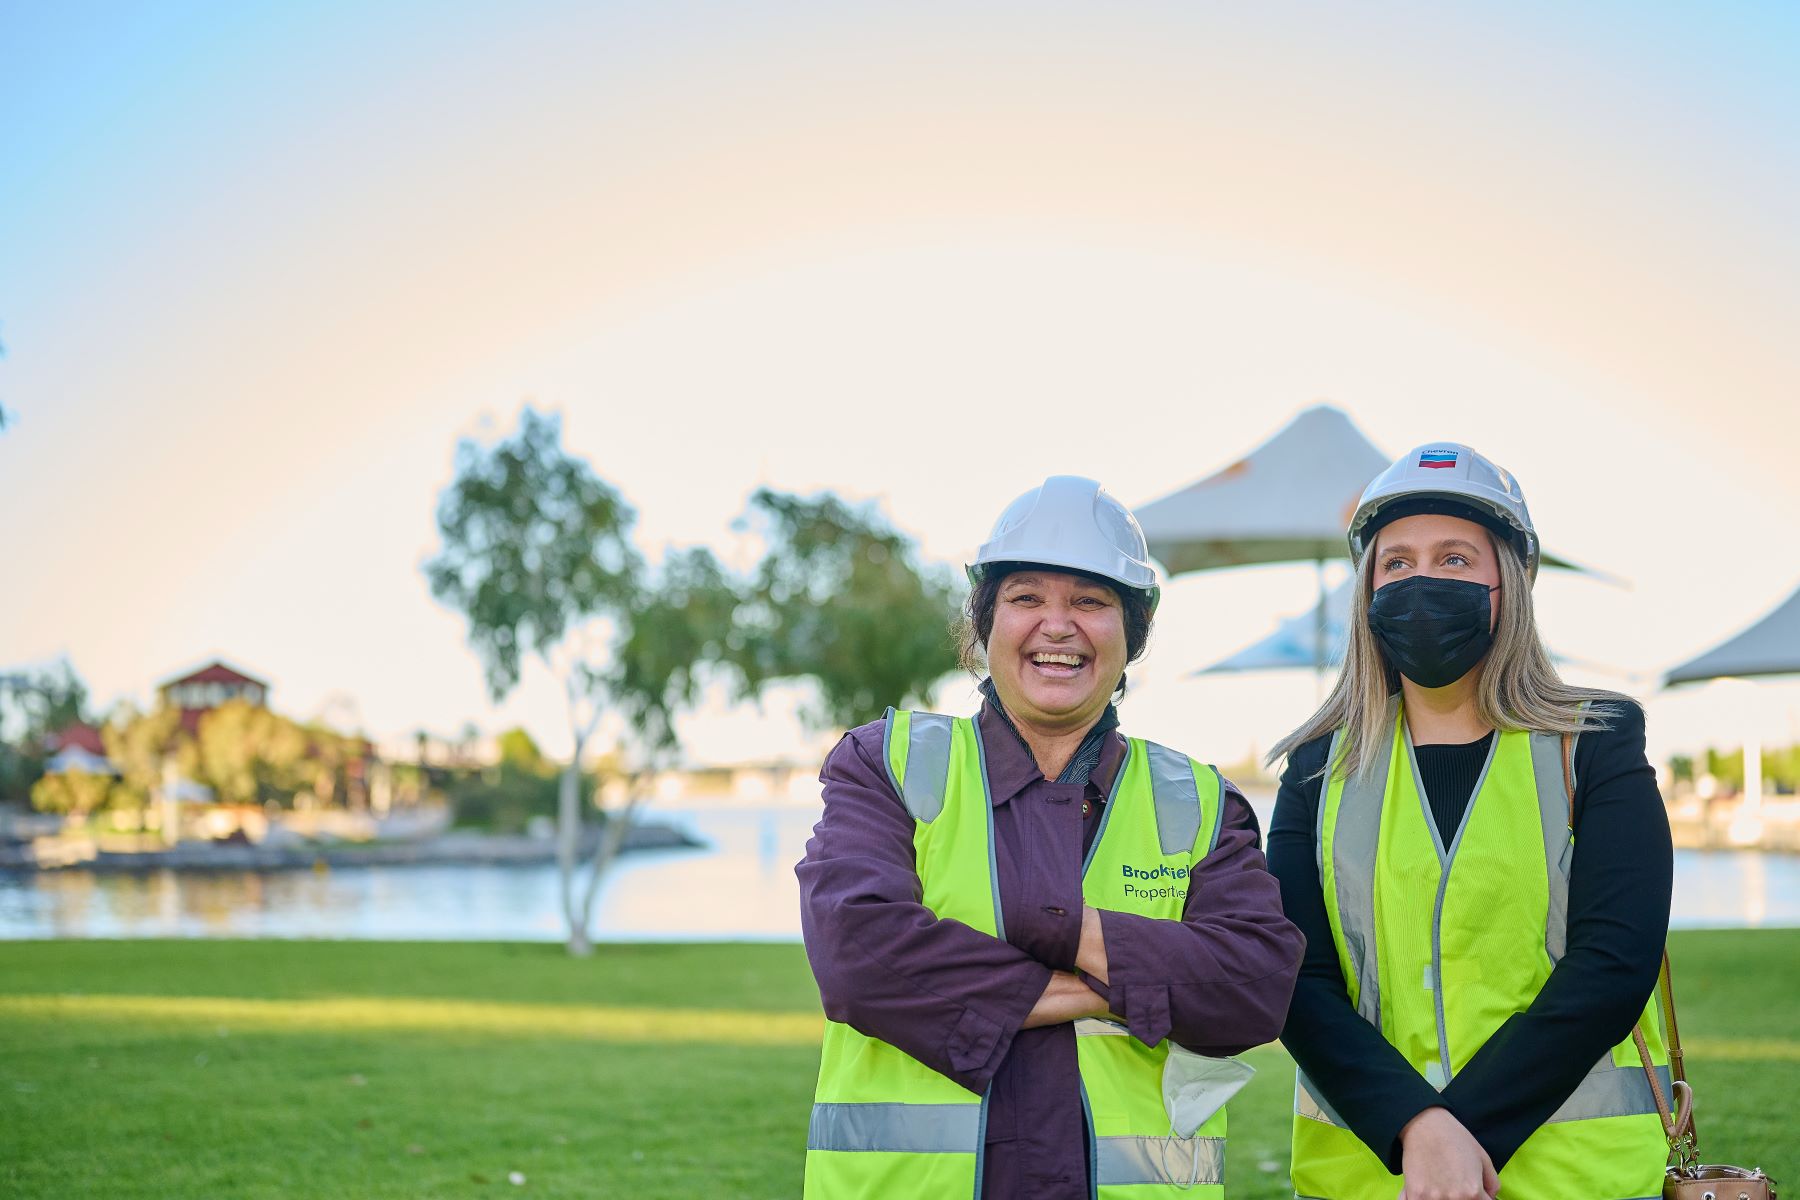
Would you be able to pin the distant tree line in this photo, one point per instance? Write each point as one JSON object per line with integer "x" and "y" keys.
{"x": 1780, "y": 768}
{"x": 505, "y": 796}
{"x": 244, "y": 754}
{"x": 34, "y": 705}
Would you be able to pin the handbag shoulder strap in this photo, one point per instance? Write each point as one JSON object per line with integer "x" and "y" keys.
{"x": 1679, "y": 1125}
{"x": 1677, "y": 1065}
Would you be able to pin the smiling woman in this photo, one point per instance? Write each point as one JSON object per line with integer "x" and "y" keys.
{"x": 1071, "y": 629}
{"x": 1057, "y": 652}
{"x": 1031, "y": 933}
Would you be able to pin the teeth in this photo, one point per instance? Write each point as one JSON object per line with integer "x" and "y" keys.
{"x": 1067, "y": 660}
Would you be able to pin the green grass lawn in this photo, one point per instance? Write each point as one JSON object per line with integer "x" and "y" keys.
{"x": 345, "y": 1069}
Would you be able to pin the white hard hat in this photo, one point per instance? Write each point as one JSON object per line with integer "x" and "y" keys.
{"x": 1451, "y": 478}
{"x": 1076, "y": 524}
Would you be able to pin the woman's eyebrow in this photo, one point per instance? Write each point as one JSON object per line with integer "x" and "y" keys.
{"x": 1446, "y": 544}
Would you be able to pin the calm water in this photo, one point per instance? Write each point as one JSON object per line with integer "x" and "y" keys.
{"x": 741, "y": 887}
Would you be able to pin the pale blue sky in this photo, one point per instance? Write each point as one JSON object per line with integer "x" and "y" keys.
{"x": 261, "y": 265}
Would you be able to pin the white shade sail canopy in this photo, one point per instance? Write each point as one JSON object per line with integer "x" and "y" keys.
{"x": 1296, "y": 641}
{"x": 1769, "y": 647}
{"x": 1288, "y": 500}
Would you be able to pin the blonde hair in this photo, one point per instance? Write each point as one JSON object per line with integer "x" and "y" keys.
{"x": 1519, "y": 688}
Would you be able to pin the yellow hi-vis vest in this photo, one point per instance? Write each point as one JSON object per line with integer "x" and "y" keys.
{"x": 884, "y": 1125}
{"x": 1440, "y": 945}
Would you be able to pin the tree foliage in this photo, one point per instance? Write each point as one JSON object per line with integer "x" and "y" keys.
{"x": 246, "y": 754}
{"x": 681, "y": 624}
{"x": 73, "y": 793}
{"x": 139, "y": 743}
{"x": 520, "y": 750}
{"x": 34, "y": 705}
{"x": 537, "y": 555}
{"x": 249, "y": 755}
{"x": 503, "y": 799}
{"x": 332, "y": 767}
{"x": 534, "y": 543}
{"x": 841, "y": 598}
{"x": 1780, "y": 767}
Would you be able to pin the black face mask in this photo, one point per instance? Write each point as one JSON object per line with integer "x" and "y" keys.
{"x": 1433, "y": 631}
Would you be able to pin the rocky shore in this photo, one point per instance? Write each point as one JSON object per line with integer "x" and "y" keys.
{"x": 454, "y": 848}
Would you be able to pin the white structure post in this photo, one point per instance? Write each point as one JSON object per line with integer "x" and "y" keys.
{"x": 168, "y": 805}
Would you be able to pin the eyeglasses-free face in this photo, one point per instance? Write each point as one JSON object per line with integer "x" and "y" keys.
{"x": 1057, "y": 648}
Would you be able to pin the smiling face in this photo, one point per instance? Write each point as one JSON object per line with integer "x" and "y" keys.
{"x": 1057, "y": 648}
{"x": 1440, "y": 546}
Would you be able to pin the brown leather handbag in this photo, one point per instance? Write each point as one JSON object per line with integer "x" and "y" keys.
{"x": 1686, "y": 1178}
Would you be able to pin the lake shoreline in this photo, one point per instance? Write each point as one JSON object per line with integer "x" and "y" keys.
{"x": 456, "y": 848}
{"x": 740, "y": 886}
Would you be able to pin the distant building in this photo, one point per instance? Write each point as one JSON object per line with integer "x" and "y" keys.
{"x": 77, "y": 747}
{"x": 199, "y": 692}
{"x": 79, "y": 735}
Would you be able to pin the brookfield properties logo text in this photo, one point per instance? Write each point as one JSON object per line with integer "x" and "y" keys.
{"x": 1165, "y": 882}
{"x": 1163, "y": 871}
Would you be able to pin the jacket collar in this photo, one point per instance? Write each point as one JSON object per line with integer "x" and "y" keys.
{"x": 1010, "y": 767}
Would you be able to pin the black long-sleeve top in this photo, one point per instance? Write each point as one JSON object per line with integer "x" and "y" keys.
{"x": 1620, "y": 880}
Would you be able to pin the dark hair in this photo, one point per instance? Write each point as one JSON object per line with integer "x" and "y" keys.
{"x": 977, "y": 623}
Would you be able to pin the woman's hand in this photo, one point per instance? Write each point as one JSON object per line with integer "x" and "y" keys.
{"x": 1442, "y": 1161}
{"x": 1065, "y": 998}
{"x": 1090, "y": 955}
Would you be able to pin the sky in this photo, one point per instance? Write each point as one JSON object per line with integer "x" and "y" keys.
{"x": 262, "y": 266}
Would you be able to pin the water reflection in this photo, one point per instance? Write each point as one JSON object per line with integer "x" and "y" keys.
{"x": 1715, "y": 888}
{"x": 742, "y": 887}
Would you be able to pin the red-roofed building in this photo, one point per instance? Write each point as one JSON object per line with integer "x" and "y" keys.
{"x": 199, "y": 692}
{"x": 80, "y": 735}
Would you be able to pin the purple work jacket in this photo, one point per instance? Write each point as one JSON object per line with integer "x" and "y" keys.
{"x": 1217, "y": 981}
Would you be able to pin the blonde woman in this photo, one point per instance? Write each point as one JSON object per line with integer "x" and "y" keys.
{"x": 1479, "y": 948}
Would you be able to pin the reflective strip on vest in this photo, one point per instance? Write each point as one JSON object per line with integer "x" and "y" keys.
{"x": 1356, "y": 842}
{"x": 1183, "y": 1162}
{"x": 1609, "y": 1091}
{"x": 1353, "y": 840}
{"x": 1554, "y": 815}
{"x": 1437, "y": 979}
{"x": 918, "y": 747}
{"x": 902, "y": 1128}
{"x": 1309, "y": 1104}
{"x": 1177, "y": 798}
{"x": 1606, "y": 1091}
{"x": 1354, "y": 852}
{"x": 923, "y": 779}
{"x": 875, "y": 1105}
